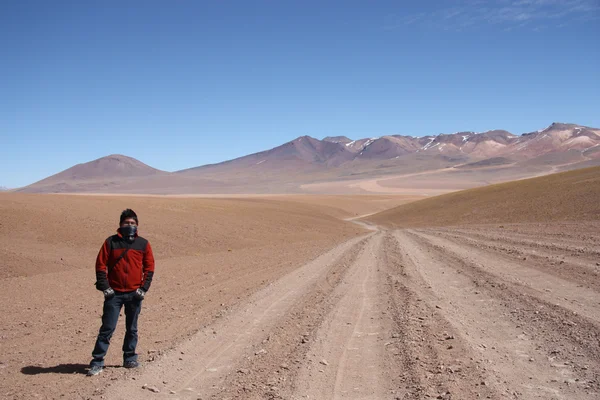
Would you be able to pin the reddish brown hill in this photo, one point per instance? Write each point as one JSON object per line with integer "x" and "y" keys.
{"x": 557, "y": 137}
{"x": 305, "y": 153}
{"x": 115, "y": 167}
{"x": 476, "y": 145}
{"x": 388, "y": 147}
{"x": 567, "y": 196}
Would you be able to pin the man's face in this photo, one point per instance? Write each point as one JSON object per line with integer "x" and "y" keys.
{"x": 129, "y": 222}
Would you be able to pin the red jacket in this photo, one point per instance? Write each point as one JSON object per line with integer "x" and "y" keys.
{"x": 133, "y": 271}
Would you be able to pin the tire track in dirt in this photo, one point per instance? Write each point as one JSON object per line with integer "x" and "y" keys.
{"x": 381, "y": 340}
{"x": 532, "y": 348}
{"x": 431, "y": 359}
{"x": 346, "y": 359}
{"x": 557, "y": 247}
{"x": 550, "y": 258}
{"x": 553, "y": 246}
{"x": 199, "y": 365}
{"x": 581, "y": 238}
{"x": 538, "y": 284}
{"x": 272, "y": 367}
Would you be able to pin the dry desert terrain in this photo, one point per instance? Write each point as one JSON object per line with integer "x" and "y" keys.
{"x": 314, "y": 296}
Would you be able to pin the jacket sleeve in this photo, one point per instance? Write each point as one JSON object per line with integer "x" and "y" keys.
{"x": 101, "y": 266}
{"x": 148, "y": 267}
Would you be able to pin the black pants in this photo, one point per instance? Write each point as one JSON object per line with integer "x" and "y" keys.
{"x": 110, "y": 316}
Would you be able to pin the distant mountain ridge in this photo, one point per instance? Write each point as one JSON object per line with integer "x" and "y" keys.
{"x": 337, "y": 150}
{"x": 306, "y": 158}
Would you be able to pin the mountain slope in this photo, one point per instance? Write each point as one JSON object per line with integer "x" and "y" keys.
{"x": 557, "y": 137}
{"x": 113, "y": 167}
{"x": 571, "y": 196}
{"x": 387, "y": 147}
{"x": 304, "y": 152}
{"x": 337, "y": 139}
{"x": 497, "y": 155}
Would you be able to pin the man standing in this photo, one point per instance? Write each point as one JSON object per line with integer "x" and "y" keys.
{"x": 124, "y": 270}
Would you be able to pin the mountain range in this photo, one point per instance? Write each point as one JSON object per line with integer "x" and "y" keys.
{"x": 306, "y": 163}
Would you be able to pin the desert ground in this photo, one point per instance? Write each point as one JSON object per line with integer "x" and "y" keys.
{"x": 311, "y": 296}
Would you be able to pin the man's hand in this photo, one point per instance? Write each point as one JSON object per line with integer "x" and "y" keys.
{"x": 108, "y": 293}
{"x": 139, "y": 294}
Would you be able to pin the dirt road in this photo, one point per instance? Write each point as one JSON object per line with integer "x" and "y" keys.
{"x": 483, "y": 312}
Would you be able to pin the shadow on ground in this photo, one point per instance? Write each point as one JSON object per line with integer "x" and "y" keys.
{"x": 58, "y": 369}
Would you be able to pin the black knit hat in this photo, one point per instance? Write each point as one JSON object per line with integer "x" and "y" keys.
{"x": 128, "y": 213}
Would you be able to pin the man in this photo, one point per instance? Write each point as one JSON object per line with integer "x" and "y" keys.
{"x": 124, "y": 270}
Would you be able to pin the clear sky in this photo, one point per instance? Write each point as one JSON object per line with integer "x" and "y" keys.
{"x": 178, "y": 84}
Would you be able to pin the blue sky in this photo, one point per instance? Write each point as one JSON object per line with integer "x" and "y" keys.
{"x": 185, "y": 83}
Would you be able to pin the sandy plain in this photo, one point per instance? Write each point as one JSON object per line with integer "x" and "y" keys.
{"x": 287, "y": 297}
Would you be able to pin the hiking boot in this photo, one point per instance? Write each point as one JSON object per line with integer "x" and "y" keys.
{"x": 95, "y": 370}
{"x": 131, "y": 364}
